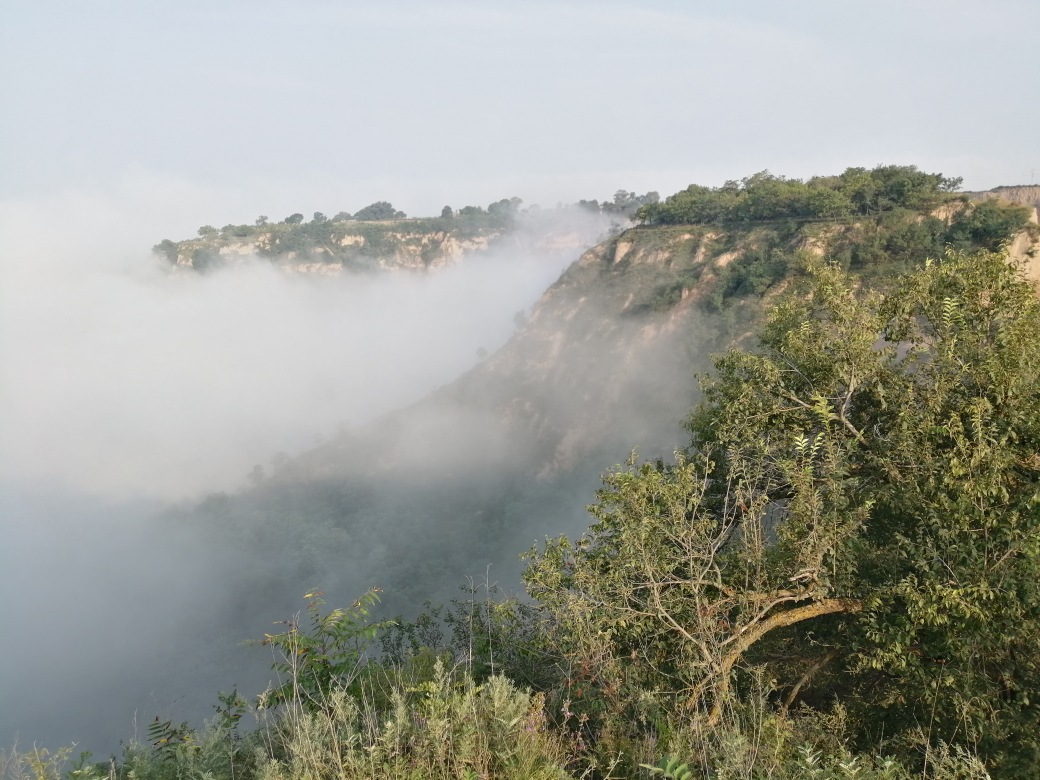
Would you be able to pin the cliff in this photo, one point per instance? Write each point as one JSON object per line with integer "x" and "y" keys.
{"x": 1020, "y": 195}
{"x": 329, "y": 248}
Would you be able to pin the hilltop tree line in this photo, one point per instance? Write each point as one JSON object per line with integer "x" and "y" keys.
{"x": 857, "y": 192}
{"x": 380, "y": 211}
{"x": 318, "y": 238}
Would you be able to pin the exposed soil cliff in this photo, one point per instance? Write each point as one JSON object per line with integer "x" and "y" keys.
{"x": 1021, "y": 195}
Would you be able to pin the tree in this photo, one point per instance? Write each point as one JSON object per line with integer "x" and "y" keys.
{"x": 261, "y": 221}
{"x": 379, "y": 211}
{"x": 507, "y": 207}
{"x": 861, "y": 496}
{"x": 319, "y": 218}
{"x": 293, "y": 219}
{"x": 207, "y": 231}
{"x": 167, "y": 249}
{"x": 447, "y": 213}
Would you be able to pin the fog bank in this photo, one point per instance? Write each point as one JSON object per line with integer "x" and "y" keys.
{"x": 127, "y": 391}
{"x": 121, "y": 379}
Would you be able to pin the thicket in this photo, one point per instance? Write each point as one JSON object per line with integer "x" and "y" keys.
{"x": 837, "y": 578}
{"x": 764, "y": 196}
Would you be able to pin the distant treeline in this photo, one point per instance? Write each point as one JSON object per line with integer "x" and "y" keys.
{"x": 624, "y": 203}
{"x": 320, "y": 238}
{"x": 763, "y": 196}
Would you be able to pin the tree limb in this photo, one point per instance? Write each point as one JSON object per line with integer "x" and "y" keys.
{"x": 818, "y": 664}
{"x": 780, "y": 620}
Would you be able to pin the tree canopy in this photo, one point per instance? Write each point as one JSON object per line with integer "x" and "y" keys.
{"x": 858, "y": 512}
{"x": 379, "y": 211}
{"x": 764, "y": 196}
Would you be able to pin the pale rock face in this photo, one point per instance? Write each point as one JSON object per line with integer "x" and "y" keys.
{"x": 239, "y": 248}
{"x": 726, "y": 258}
{"x": 455, "y": 249}
{"x": 1021, "y": 196}
{"x": 948, "y": 211}
{"x": 1025, "y": 249}
{"x": 621, "y": 250}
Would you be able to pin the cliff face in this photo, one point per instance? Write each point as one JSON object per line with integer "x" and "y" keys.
{"x": 330, "y": 248}
{"x": 409, "y": 245}
{"x": 1020, "y": 195}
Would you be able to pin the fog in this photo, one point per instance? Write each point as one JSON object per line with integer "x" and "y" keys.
{"x": 121, "y": 378}
{"x": 129, "y": 392}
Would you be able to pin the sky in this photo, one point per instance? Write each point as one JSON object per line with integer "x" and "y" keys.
{"x": 270, "y": 107}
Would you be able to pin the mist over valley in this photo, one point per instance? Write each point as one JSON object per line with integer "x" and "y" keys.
{"x": 174, "y": 384}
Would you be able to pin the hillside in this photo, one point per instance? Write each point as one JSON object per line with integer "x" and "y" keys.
{"x": 427, "y": 497}
{"x": 512, "y": 450}
{"x": 1019, "y": 195}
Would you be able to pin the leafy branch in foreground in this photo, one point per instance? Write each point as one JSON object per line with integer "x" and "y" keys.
{"x": 325, "y": 657}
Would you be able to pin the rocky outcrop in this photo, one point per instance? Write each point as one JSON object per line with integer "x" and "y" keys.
{"x": 1021, "y": 195}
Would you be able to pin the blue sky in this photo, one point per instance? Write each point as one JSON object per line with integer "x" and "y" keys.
{"x": 330, "y": 105}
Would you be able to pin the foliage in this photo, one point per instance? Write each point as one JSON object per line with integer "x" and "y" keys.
{"x": 670, "y": 769}
{"x": 445, "y": 728}
{"x": 764, "y": 196}
{"x": 624, "y": 203}
{"x": 864, "y": 488}
{"x": 507, "y": 207}
{"x": 378, "y": 211}
{"x": 488, "y": 636}
{"x": 988, "y": 225}
{"x": 169, "y": 740}
{"x": 166, "y": 249}
{"x": 35, "y": 764}
{"x": 324, "y": 658}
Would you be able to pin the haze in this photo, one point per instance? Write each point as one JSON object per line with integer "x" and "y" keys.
{"x": 122, "y": 379}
